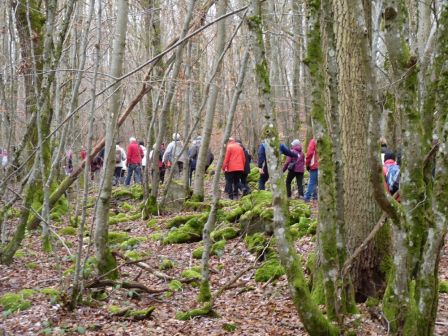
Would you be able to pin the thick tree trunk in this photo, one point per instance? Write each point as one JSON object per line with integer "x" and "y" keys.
{"x": 361, "y": 213}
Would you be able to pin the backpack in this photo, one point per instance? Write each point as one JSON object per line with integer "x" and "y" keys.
{"x": 292, "y": 164}
{"x": 118, "y": 156}
{"x": 393, "y": 178}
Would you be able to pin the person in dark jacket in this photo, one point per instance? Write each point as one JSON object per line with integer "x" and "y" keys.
{"x": 243, "y": 183}
{"x": 295, "y": 168}
{"x": 262, "y": 164}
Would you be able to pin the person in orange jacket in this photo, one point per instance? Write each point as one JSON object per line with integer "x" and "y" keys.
{"x": 233, "y": 166}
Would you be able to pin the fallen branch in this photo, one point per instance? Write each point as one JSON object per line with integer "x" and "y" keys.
{"x": 98, "y": 283}
{"x": 229, "y": 284}
{"x": 360, "y": 248}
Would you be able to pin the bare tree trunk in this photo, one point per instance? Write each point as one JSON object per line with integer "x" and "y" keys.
{"x": 205, "y": 294}
{"x": 105, "y": 260}
{"x": 198, "y": 191}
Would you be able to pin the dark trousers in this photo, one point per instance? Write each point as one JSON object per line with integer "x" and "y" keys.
{"x": 243, "y": 184}
{"x": 117, "y": 175}
{"x": 299, "y": 180}
{"x": 234, "y": 179}
{"x": 263, "y": 179}
{"x": 228, "y": 185}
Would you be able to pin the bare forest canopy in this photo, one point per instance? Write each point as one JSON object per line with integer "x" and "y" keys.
{"x": 353, "y": 87}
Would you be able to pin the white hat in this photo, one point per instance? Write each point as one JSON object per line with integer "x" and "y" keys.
{"x": 176, "y": 136}
{"x": 295, "y": 142}
{"x": 131, "y": 139}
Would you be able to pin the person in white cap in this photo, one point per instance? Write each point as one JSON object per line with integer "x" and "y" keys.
{"x": 172, "y": 156}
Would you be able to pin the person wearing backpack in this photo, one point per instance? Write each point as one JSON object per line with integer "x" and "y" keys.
{"x": 295, "y": 168}
{"x": 391, "y": 171}
{"x": 120, "y": 158}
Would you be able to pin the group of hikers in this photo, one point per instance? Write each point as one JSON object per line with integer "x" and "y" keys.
{"x": 237, "y": 161}
{"x": 130, "y": 163}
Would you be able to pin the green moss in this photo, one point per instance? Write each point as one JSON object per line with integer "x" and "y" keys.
{"x": 132, "y": 243}
{"x": 117, "y": 237}
{"x": 156, "y": 236}
{"x": 206, "y": 310}
{"x": 205, "y": 293}
{"x": 175, "y": 285}
{"x": 135, "y": 255}
{"x": 141, "y": 313}
{"x": 118, "y": 218}
{"x": 134, "y": 192}
{"x": 150, "y": 208}
{"x": 226, "y": 233}
{"x": 229, "y": 327}
{"x": 271, "y": 269}
{"x": 443, "y": 286}
{"x": 234, "y": 214}
{"x": 126, "y": 207}
{"x": 192, "y": 273}
{"x": 51, "y": 292}
{"x": 152, "y": 223}
{"x": 372, "y": 302}
{"x": 13, "y": 302}
{"x": 179, "y": 220}
{"x": 197, "y": 252}
{"x": 166, "y": 264}
{"x": 20, "y": 254}
{"x": 113, "y": 309}
{"x": 68, "y": 231}
{"x": 254, "y": 175}
{"x": 191, "y": 231}
{"x": 197, "y": 198}
{"x": 88, "y": 270}
{"x": 258, "y": 244}
{"x": 197, "y": 206}
{"x": 31, "y": 265}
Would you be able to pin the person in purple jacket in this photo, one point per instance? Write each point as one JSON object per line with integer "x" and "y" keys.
{"x": 295, "y": 168}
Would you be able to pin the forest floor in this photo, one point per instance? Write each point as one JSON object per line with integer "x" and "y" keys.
{"x": 248, "y": 307}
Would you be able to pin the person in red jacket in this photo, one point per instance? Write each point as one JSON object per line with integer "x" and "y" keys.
{"x": 312, "y": 165}
{"x": 134, "y": 157}
{"x": 233, "y": 166}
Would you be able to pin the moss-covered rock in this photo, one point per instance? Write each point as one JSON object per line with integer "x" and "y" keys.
{"x": 258, "y": 244}
{"x": 166, "y": 264}
{"x": 226, "y": 233}
{"x": 140, "y": 314}
{"x": 117, "y": 237}
{"x": 271, "y": 269}
{"x": 68, "y": 231}
{"x": 229, "y": 327}
{"x": 179, "y": 220}
{"x": 233, "y": 214}
{"x": 132, "y": 243}
{"x": 191, "y": 231}
{"x": 135, "y": 255}
{"x": 126, "y": 207}
{"x": 31, "y": 265}
{"x": 135, "y": 192}
{"x": 53, "y": 293}
{"x": 193, "y": 273}
{"x": 197, "y": 206}
{"x": 217, "y": 249}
